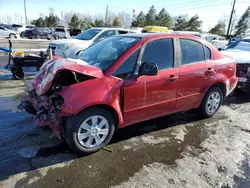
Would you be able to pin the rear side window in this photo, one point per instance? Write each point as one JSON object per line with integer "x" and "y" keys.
{"x": 207, "y": 53}
{"x": 191, "y": 51}
{"x": 120, "y": 32}
{"x": 59, "y": 30}
{"x": 160, "y": 52}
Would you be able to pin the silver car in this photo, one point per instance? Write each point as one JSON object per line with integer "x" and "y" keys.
{"x": 6, "y": 33}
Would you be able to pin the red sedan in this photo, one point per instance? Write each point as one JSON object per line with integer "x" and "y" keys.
{"x": 128, "y": 79}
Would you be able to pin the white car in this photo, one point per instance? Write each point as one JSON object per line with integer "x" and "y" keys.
{"x": 7, "y": 33}
{"x": 20, "y": 28}
{"x": 240, "y": 51}
{"x": 68, "y": 48}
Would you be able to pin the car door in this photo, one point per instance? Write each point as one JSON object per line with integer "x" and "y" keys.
{"x": 196, "y": 73}
{"x": 151, "y": 96}
{"x": 132, "y": 88}
{"x": 160, "y": 91}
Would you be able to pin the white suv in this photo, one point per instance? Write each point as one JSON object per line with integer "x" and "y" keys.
{"x": 68, "y": 48}
{"x": 21, "y": 28}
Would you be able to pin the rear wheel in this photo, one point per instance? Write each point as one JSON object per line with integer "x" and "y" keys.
{"x": 18, "y": 74}
{"x": 90, "y": 130}
{"x": 211, "y": 102}
{"x": 38, "y": 36}
{"x": 12, "y": 36}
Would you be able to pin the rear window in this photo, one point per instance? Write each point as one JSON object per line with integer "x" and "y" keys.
{"x": 15, "y": 25}
{"x": 29, "y": 26}
{"x": 59, "y": 30}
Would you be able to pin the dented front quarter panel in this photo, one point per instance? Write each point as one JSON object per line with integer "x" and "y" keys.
{"x": 100, "y": 91}
{"x": 47, "y": 73}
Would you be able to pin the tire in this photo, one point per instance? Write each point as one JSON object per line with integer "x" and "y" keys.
{"x": 72, "y": 130}
{"x": 22, "y": 34}
{"x": 38, "y": 36}
{"x": 205, "y": 108}
{"x": 12, "y": 36}
{"x": 18, "y": 74}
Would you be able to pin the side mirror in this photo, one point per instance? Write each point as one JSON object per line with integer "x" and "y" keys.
{"x": 219, "y": 49}
{"x": 148, "y": 69}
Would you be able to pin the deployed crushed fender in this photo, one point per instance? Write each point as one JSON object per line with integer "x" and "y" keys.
{"x": 59, "y": 90}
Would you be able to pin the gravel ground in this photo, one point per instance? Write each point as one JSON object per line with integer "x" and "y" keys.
{"x": 180, "y": 150}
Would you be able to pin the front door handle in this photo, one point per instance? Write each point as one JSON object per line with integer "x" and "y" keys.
{"x": 209, "y": 71}
{"x": 172, "y": 78}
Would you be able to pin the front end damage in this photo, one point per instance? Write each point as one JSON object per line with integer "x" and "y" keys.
{"x": 243, "y": 74}
{"x": 44, "y": 99}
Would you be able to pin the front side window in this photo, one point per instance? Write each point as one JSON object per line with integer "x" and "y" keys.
{"x": 106, "y": 34}
{"x": 127, "y": 68}
{"x": 88, "y": 34}
{"x": 103, "y": 54}
{"x": 191, "y": 51}
{"x": 160, "y": 52}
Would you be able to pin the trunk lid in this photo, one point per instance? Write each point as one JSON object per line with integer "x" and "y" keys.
{"x": 50, "y": 69}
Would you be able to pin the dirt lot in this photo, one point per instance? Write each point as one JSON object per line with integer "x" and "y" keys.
{"x": 180, "y": 150}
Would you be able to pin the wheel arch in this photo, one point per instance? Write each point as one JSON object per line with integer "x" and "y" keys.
{"x": 109, "y": 108}
{"x": 221, "y": 85}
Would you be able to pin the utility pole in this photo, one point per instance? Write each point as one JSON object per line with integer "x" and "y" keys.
{"x": 25, "y": 12}
{"x": 61, "y": 17}
{"x": 106, "y": 15}
{"x": 230, "y": 20}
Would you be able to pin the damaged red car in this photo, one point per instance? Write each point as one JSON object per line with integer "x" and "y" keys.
{"x": 128, "y": 79}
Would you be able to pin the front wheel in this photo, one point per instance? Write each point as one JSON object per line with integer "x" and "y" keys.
{"x": 211, "y": 102}
{"x": 90, "y": 130}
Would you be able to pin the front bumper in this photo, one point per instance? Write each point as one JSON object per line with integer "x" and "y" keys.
{"x": 45, "y": 111}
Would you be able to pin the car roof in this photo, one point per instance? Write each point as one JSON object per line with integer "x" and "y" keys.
{"x": 111, "y": 28}
{"x": 152, "y": 35}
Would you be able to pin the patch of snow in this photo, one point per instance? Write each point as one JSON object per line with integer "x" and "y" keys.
{"x": 179, "y": 133}
{"x": 154, "y": 140}
{"x": 126, "y": 147}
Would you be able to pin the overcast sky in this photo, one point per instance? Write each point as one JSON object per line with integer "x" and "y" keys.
{"x": 210, "y": 11}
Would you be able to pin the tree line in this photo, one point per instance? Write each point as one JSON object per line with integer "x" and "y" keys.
{"x": 52, "y": 21}
{"x": 163, "y": 18}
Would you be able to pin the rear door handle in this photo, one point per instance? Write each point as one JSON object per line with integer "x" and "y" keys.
{"x": 172, "y": 78}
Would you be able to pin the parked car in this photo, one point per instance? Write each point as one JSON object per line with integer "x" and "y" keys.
{"x": 240, "y": 51}
{"x": 74, "y": 32}
{"x": 61, "y": 33}
{"x": 70, "y": 47}
{"x": 6, "y": 33}
{"x": 20, "y": 28}
{"x": 127, "y": 79}
{"x": 39, "y": 33}
{"x": 7, "y": 26}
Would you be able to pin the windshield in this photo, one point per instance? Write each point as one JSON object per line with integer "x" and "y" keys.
{"x": 88, "y": 34}
{"x": 104, "y": 53}
{"x": 243, "y": 45}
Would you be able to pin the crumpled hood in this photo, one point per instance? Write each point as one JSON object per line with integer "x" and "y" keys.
{"x": 239, "y": 55}
{"x": 67, "y": 41}
{"x": 49, "y": 70}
